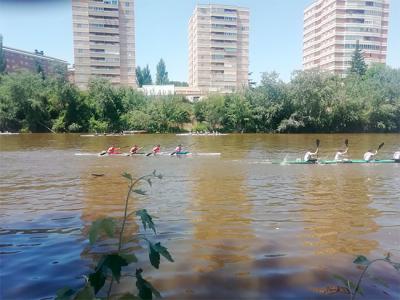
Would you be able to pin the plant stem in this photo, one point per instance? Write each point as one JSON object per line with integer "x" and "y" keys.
{"x": 121, "y": 233}
{"x": 353, "y": 296}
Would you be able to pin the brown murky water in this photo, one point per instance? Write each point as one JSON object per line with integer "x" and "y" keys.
{"x": 237, "y": 225}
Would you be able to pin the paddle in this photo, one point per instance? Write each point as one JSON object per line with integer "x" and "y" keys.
{"x": 380, "y": 147}
{"x": 346, "y": 142}
{"x": 317, "y": 142}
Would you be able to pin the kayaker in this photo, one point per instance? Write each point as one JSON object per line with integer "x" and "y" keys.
{"x": 134, "y": 149}
{"x": 156, "y": 149}
{"x": 311, "y": 156}
{"x": 340, "y": 155}
{"x": 396, "y": 156}
{"x": 113, "y": 150}
{"x": 370, "y": 155}
{"x": 177, "y": 150}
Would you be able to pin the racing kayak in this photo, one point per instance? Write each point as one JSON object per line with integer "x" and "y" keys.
{"x": 334, "y": 162}
{"x": 179, "y": 154}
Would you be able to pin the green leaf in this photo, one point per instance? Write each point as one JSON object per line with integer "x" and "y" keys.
{"x": 127, "y": 176}
{"x": 97, "y": 280}
{"x": 140, "y": 192}
{"x": 154, "y": 256}
{"x": 146, "y": 290}
{"x": 130, "y": 258}
{"x": 64, "y": 294}
{"x": 106, "y": 225}
{"x": 146, "y": 219}
{"x": 163, "y": 251}
{"x": 85, "y": 294}
{"x": 361, "y": 260}
{"x": 129, "y": 296}
{"x": 115, "y": 262}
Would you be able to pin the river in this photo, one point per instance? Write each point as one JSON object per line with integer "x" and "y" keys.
{"x": 237, "y": 226}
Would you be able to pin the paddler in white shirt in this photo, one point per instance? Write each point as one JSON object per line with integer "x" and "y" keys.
{"x": 341, "y": 154}
{"x": 396, "y": 156}
{"x": 312, "y": 156}
{"x": 370, "y": 154}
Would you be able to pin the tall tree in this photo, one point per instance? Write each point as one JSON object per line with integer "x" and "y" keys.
{"x": 139, "y": 76}
{"x": 2, "y": 59}
{"x": 358, "y": 65}
{"x": 146, "y": 75}
{"x": 162, "y": 74}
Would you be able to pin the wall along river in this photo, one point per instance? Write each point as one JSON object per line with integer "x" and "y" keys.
{"x": 237, "y": 226}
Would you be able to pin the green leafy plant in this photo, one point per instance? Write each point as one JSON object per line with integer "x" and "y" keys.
{"x": 110, "y": 265}
{"x": 353, "y": 288}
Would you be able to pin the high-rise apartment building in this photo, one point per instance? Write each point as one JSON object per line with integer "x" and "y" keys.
{"x": 104, "y": 41}
{"x": 219, "y": 48}
{"x": 332, "y": 29}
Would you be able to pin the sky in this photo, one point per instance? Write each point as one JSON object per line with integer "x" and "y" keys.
{"x": 276, "y": 28}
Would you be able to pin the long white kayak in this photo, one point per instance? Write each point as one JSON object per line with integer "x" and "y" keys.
{"x": 201, "y": 134}
{"x": 183, "y": 154}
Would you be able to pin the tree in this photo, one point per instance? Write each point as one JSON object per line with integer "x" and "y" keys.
{"x": 358, "y": 65}
{"x": 139, "y": 76}
{"x": 143, "y": 76}
{"x": 39, "y": 69}
{"x": 147, "y": 80}
{"x": 162, "y": 74}
{"x": 2, "y": 59}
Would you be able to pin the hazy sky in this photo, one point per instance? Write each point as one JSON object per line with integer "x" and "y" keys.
{"x": 161, "y": 31}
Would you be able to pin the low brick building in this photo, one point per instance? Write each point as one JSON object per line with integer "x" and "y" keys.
{"x": 17, "y": 60}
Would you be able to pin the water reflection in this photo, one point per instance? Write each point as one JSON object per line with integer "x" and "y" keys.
{"x": 337, "y": 212}
{"x": 221, "y": 225}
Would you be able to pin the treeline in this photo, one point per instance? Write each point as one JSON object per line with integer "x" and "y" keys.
{"x": 310, "y": 102}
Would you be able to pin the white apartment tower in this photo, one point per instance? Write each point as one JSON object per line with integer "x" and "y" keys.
{"x": 332, "y": 28}
{"x": 219, "y": 48}
{"x": 104, "y": 41}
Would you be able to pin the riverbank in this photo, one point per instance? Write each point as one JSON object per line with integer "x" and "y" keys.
{"x": 311, "y": 102}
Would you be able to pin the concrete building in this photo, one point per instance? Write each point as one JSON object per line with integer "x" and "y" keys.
{"x": 104, "y": 41}
{"x": 19, "y": 60}
{"x": 332, "y": 29}
{"x": 219, "y": 48}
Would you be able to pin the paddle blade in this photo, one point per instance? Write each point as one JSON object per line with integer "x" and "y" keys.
{"x": 148, "y": 154}
{"x": 380, "y": 146}
{"x": 103, "y": 153}
{"x": 346, "y": 142}
{"x": 317, "y": 142}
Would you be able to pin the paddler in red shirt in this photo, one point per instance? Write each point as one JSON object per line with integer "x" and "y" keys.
{"x": 134, "y": 149}
{"x": 156, "y": 149}
{"x": 113, "y": 150}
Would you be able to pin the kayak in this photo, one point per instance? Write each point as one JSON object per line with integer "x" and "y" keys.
{"x": 334, "y": 162}
{"x": 144, "y": 154}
